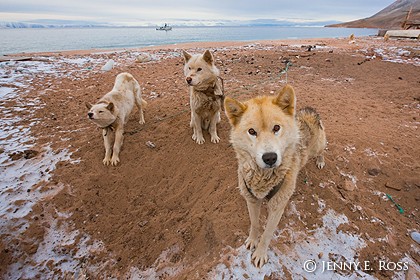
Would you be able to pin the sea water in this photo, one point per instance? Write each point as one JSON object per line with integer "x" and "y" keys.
{"x": 59, "y": 39}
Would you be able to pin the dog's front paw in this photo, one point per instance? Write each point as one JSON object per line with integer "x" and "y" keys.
{"x": 251, "y": 243}
{"x": 199, "y": 140}
{"x": 259, "y": 258}
{"x": 106, "y": 161}
{"x": 320, "y": 163}
{"x": 215, "y": 139}
{"x": 115, "y": 161}
{"x": 142, "y": 121}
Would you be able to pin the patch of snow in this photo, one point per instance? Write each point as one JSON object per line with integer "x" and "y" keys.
{"x": 162, "y": 267}
{"x": 25, "y": 182}
{"x": 289, "y": 258}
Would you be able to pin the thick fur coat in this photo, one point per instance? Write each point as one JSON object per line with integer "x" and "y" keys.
{"x": 206, "y": 94}
{"x": 272, "y": 143}
{"x": 112, "y": 112}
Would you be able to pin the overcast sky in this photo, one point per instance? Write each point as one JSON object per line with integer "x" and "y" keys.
{"x": 124, "y": 11}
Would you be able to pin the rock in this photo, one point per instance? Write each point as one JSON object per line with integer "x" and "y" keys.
{"x": 150, "y": 144}
{"x": 349, "y": 185}
{"x": 15, "y": 156}
{"x": 143, "y": 223}
{"x": 108, "y": 65}
{"x": 143, "y": 57}
{"x": 415, "y": 236}
{"x": 393, "y": 186}
{"x": 26, "y": 154}
{"x": 374, "y": 171}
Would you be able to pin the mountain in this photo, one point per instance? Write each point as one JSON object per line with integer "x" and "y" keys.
{"x": 392, "y": 17}
{"x": 48, "y": 23}
{"x": 44, "y": 23}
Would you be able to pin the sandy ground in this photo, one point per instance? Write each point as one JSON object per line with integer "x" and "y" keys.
{"x": 173, "y": 211}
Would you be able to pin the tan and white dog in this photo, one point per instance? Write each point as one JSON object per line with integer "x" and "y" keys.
{"x": 272, "y": 143}
{"x": 112, "y": 112}
{"x": 206, "y": 94}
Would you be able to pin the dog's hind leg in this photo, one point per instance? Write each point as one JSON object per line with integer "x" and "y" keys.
{"x": 320, "y": 162}
{"x": 106, "y": 134}
{"x": 117, "y": 146}
{"x": 140, "y": 102}
{"x": 143, "y": 103}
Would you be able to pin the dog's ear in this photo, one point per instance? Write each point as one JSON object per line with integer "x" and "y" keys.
{"x": 286, "y": 100}
{"x": 234, "y": 110}
{"x": 208, "y": 57}
{"x": 110, "y": 107}
{"x": 187, "y": 56}
{"x": 88, "y": 105}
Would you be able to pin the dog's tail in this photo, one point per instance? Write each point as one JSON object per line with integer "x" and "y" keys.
{"x": 310, "y": 116}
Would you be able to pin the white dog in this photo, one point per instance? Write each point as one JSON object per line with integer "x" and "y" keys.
{"x": 112, "y": 111}
{"x": 206, "y": 94}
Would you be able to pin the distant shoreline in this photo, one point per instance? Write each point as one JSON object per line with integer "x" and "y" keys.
{"x": 334, "y": 42}
{"x": 24, "y": 41}
{"x": 184, "y": 27}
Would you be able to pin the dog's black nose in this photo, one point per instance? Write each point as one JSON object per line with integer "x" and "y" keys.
{"x": 90, "y": 115}
{"x": 269, "y": 158}
{"x": 189, "y": 80}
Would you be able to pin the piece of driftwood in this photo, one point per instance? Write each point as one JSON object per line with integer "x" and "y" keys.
{"x": 412, "y": 33}
{"x": 14, "y": 58}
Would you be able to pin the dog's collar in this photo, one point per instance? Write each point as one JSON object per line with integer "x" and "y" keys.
{"x": 210, "y": 90}
{"x": 109, "y": 127}
{"x": 270, "y": 194}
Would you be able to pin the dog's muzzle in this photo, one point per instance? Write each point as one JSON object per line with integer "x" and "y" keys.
{"x": 90, "y": 115}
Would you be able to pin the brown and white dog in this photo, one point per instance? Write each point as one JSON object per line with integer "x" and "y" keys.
{"x": 112, "y": 111}
{"x": 206, "y": 94}
{"x": 272, "y": 143}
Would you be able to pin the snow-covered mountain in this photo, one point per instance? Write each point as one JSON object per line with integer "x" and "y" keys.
{"x": 42, "y": 23}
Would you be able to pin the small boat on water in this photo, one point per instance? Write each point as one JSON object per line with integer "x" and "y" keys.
{"x": 166, "y": 27}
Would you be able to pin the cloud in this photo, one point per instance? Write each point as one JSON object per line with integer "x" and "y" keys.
{"x": 135, "y": 10}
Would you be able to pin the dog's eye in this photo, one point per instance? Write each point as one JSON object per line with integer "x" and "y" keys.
{"x": 252, "y": 132}
{"x": 189, "y": 68}
{"x": 199, "y": 69}
{"x": 276, "y": 128}
{"x": 100, "y": 112}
